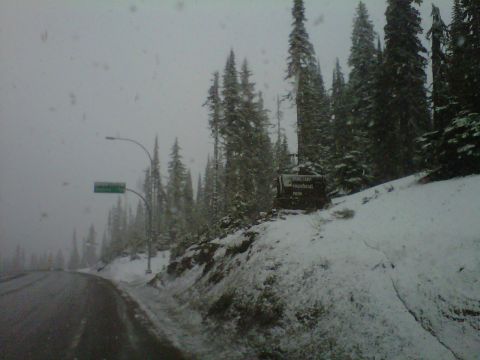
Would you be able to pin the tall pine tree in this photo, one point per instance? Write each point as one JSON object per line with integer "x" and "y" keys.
{"x": 438, "y": 34}
{"x": 469, "y": 40}
{"x": 175, "y": 194}
{"x": 214, "y": 104}
{"x": 361, "y": 84}
{"x": 301, "y": 56}
{"x": 229, "y": 130}
{"x": 340, "y": 112}
{"x": 383, "y": 135}
{"x": 208, "y": 198}
{"x": 350, "y": 170}
{"x": 160, "y": 197}
{"x": 362, "y": 63}
{"x": 188, "y": 203}
{"x": 200, "y": 211}
{"x": 405, "y": 71}
{"x": 262, "y": 160}
{"x": 249, "y": 131}
{"x": 441, "y": 104}
{"x": 459, "y": 146}
{"x": 321, "y": 137}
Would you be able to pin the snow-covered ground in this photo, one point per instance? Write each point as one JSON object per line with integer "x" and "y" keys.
{"x": 392, "y": 272}
{"x": 181, "y": 326}
{"x": 123, "y": 270}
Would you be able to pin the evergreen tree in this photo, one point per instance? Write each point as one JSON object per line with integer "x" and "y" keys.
{"x": 383, "y": 135}
{"x": 185, "y": 237}
{"x": 405, "y": 72}
{"x": 440, "y": 96}
{"x": 301, "y": 56}
{"x": 340, "y": 114}
{"x": 438, "y": 34}
{"x": 459, "y": 152}
{"x": 306, "y": 112}
{"x": 350, "y": 170}
{"x": 214, "y": 104}
{"x": 147, "y": 184}
{"x": 160, "y": 195}
{"x": 362, "y": 61}
{"x": 175, "y": 188}
{"x": 199, "y": 213}
{"x": 148, "y": 191}
{"x": 320, "y": 137}
{"x": 207, "y": 183}
{"x": 248, "y": 143}
{"x": 130, "y": 228}
{"x": 361, "y": 84}
{"x": 188, "y": 203}
{"x": 241, "y": 121}
{"x": 199, "y": 196}
{"x": 262, "y": 161}
{"x": 74, "y": 262}
{"x": 300, "y": 51}
{"x": 139, "y": 230}
{"x": 284, "y": 160}
{"x": 458, "y": 58}
{"x": 471, "y": 28}
{"x": 118, "y": 229}
{"x": 208, "y": 198}
{"x": 221, "y": 175}
{"x": 229, "y": 129}
{"x": 459, "y": 146}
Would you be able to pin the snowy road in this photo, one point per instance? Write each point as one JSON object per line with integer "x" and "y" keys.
{"x": 60, "y": 315}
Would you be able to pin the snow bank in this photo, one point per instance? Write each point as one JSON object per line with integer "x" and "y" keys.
{"x": 182, "y": 327}
{"x": 392, "y": 272}
{"x": 125, "y": 270}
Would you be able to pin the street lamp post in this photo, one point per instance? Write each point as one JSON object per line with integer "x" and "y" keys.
{"x": 152, "y": 233}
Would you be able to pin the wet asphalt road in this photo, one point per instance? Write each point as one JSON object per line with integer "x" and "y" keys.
{"x": 61, "y": 315}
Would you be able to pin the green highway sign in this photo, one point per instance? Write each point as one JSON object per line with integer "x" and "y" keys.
{"x": 109, "y": 187}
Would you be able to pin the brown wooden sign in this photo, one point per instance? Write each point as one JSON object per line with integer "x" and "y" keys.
{"x": 301, "y": 191}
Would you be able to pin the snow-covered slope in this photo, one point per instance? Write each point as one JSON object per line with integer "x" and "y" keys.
{"x": 126, "y": 270}
{"x": 392, "y": 272}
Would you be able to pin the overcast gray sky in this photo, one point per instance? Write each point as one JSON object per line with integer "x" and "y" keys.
{"x": 73, "y": 72}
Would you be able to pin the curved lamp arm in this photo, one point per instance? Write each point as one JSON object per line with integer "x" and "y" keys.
{"x": 133, "y": 141}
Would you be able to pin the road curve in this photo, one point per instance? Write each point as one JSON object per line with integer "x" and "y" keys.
{"x": 61, "y": 315}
